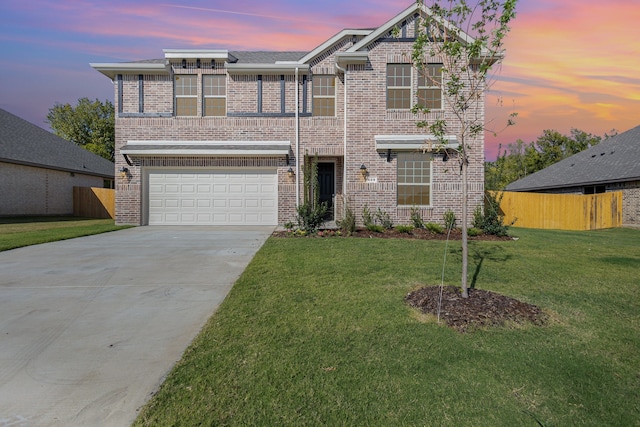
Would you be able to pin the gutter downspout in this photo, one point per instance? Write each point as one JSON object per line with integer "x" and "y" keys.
{"x": 297, "y": 141}
{"x": 344, "y": 136}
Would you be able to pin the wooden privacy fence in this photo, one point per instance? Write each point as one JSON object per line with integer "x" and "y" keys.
{"x": 562, "y": 211}
{"x": 93, "y": 202}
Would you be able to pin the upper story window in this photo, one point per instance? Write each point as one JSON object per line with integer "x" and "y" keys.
{"x": 430, "y": 86}
{"x": 214, "y": 89}
{"x": 414, "y": 179}
{"x": 398, "y": 86}
{"x": 186, "y": 93}
{"x": 324, "y": 95}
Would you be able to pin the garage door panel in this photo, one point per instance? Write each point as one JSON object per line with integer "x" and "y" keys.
{"x": 204, "y": 188}
{"x": 171, "y": 203}
{"x": 212, "y": 197}
{"x": 238, "y": 217}
{"x": 236, "y": 203}
{"x": 220, "y": 189}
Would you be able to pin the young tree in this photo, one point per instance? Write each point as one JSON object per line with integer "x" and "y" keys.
{"x": 467, "y": 40}
{"x": 90, "y": 124}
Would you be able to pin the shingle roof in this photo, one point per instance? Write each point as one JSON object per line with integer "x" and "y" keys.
{"x": 244, "y": 57}
{"x": 24, "y": 143}
{"x": 613, "y": 160}
{"x": 266, "y": 57}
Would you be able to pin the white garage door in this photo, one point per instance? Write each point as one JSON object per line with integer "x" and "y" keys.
{"x": 221, "y": 197}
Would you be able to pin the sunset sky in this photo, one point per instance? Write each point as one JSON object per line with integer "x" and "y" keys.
{"x": 569, "y": 63}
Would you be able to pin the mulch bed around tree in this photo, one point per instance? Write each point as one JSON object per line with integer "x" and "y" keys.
{"x": 481, "y": 309}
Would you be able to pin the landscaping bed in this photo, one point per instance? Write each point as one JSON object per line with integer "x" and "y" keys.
{"x": 481, "y": 309}
{"x": 416, "y": 233}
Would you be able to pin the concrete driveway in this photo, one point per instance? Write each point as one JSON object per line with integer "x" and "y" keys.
{"x": 89, "y": 327}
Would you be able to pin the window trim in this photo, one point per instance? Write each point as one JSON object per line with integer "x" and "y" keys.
{"x": 413, "y": 95}
{"x": 222, "y": 77}
{"x": 426, "y": 87}
{"x": 315, "y": 97}
{"x": 401, "y": 161}
{"x": 176, "y": 77}
{"x": 408, "y": 88}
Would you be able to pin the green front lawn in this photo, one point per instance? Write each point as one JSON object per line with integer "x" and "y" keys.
{"x": 25, "y": 231}
{"x": 315, "y": 332}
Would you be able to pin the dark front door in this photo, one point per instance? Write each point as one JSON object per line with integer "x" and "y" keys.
{"x": 326, "y": 186}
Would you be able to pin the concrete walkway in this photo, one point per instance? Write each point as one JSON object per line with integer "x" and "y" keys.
{"x": 89, "y": 327}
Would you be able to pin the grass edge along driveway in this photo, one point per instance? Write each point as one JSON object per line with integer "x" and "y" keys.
{"x": 315, "y": 332}
{"x": 17, "y": 232}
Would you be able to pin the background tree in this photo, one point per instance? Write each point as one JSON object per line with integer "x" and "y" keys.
{"x": 520, "y": 159}
{"x": 90, "y": 124}
{"x": 466, "y": 64}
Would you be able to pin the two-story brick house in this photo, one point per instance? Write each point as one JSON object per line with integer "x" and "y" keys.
{"x": 220, "y": 137}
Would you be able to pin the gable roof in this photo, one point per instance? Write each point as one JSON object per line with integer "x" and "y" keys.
{"x": 275, "y": 62}
{"x": 24, "y": 143}
{"x": 616, "y": 159}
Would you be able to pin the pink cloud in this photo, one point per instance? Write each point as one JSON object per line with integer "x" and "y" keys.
{"x": 571, "y": 64}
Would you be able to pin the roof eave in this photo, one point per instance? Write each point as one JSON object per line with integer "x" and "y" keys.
{"x": 427, "y": 143}
{"x": 356, "y": 58}
{"x": 111, "y": 70}
{"x": 331, "y": 42}
{"x": 267, "y": 69}
{"x": 220, "y": 54}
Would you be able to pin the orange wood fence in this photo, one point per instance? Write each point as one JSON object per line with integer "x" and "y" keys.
{"x": 93, "y": 202}
{"x": 563, "y": 211}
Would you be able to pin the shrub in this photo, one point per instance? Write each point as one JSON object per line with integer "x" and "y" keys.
{"x": 404, "y": 228}
{"x": 311, "y": 213}
{"x": 289, "y": 225}
{"x": 416, "y": 218}
{"x": 384, "y": 219}
{"x": 367, "y": 216}
{"x": 434, "y": 228}
{"x": 478, "y": 217}
{"x": 449, "y": 219}
{"x": 491, "y": 222}
{"x": 348, "y": 223}
{"x": 473, "y": 232}
{"x": 311, "y": 216}
{"x": 375, "y": 228}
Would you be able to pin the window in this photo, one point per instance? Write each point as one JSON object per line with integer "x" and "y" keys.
{"x": 324, "y": 96}
{"x": 215, "y": 92}
{"x": 398, "y": 86}
{"x": 186, "y": 90}
{"x": 414, "y": 179}
{"x": 430, "y": 86}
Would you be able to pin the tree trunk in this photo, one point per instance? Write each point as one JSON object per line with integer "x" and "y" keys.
{"x": 465, "y": 246}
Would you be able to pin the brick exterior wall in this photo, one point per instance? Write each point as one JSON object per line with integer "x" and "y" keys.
{"x": 28, "y": 190}
{"x": 366, "y": 117}
{"x": 630, "y": 201}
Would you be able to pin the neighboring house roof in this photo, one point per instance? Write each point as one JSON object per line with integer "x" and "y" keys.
{"x": 24, "y": 143}
{"x": 615, "y": 159}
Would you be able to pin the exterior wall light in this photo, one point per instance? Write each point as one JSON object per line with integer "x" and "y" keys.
{"x": 291, "y": 173}
{"x": 363, "y": 171}
{"x": 123, "y": 171}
